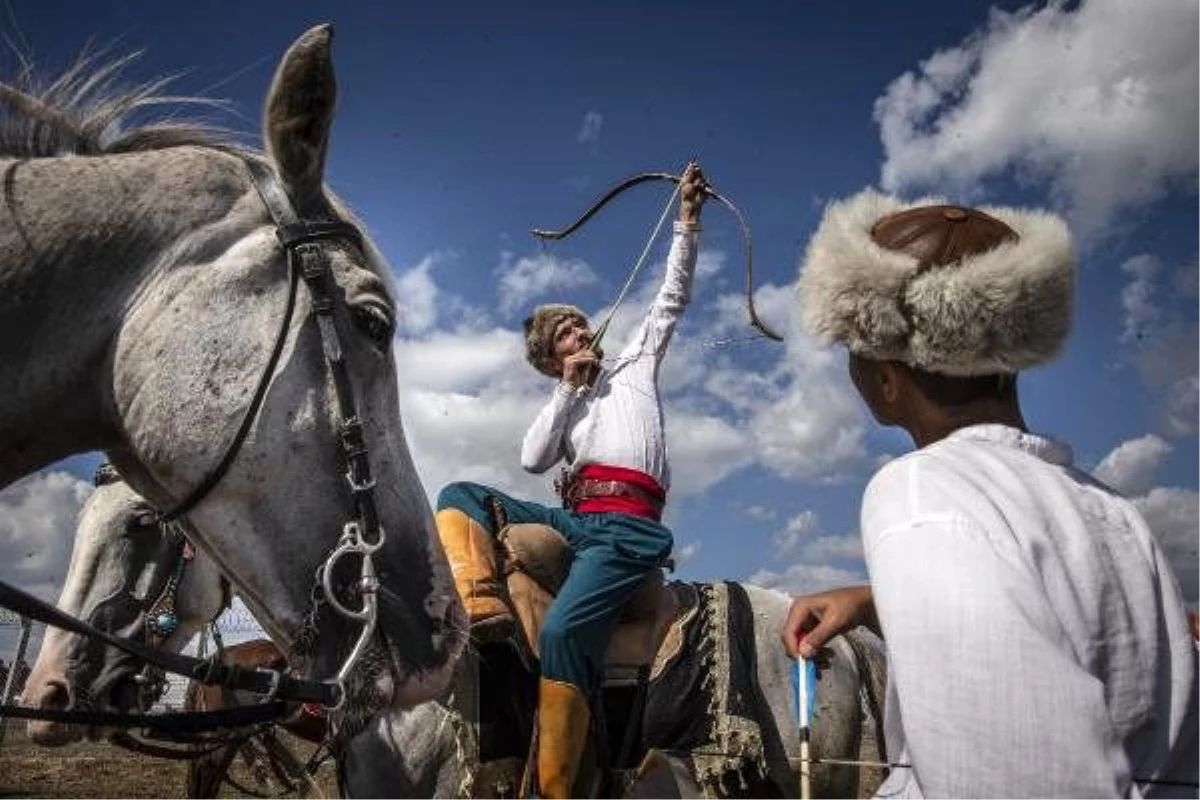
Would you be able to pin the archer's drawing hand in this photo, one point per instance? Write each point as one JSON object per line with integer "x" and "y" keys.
{"x": 691, "y": 194}
{"x": 580, "y": 369}
{"x": 814, "y": 619}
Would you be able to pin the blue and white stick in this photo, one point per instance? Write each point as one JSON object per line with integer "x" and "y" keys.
{"x": 804, "y": 680}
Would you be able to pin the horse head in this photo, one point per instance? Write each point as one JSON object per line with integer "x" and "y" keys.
{"x": 131, "y": 575}
{"x": 227, "y": 391}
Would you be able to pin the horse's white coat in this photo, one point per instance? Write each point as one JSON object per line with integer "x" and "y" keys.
{"x": 142, "y": 292}
{"x": 118, "y": 549}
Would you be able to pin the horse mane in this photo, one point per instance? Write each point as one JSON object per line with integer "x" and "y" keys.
{"x": 87, "y": 111}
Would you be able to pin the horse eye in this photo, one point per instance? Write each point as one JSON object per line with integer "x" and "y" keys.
{"x": 375, "y": 323}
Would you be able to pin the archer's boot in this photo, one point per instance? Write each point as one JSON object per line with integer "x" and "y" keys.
{"x": 562, "y": 722}
{"x": 472, "y": 555}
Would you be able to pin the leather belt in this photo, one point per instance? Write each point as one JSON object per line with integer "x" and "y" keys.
{"x": 583, "y": 488}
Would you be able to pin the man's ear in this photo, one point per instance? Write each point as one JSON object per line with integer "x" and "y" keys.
{"x": 889, "y": 377}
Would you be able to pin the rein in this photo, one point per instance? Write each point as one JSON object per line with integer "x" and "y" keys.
{"x": 756, "y": 322}
{"x": 303, "y": 240}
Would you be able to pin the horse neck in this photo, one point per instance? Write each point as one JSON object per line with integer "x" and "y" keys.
{"x": 81, "y": 237}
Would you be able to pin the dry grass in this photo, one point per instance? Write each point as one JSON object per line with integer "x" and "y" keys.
{"x": 96, "y": 769}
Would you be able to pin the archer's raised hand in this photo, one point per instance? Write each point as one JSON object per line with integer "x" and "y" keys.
{"x": 691, "y": 194}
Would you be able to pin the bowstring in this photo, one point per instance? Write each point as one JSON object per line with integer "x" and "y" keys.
{"x": 662, "y": 218}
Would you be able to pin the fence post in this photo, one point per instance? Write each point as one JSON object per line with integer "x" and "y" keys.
{"x": 18, "y": 662}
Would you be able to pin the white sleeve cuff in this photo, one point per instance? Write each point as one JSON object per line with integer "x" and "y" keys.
{"x": 687, "y": 227}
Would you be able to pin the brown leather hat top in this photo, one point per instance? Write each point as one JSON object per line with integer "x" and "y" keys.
{"x": 940, "y": 235}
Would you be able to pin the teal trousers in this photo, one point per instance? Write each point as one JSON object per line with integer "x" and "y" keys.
{"x": 613, "y": 553}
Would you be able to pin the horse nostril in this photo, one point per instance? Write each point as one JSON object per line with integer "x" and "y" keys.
{"x": 54, "y": 695}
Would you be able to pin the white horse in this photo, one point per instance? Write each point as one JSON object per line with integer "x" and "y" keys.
{"x": 127, "y": 569}
{"x": 697, "y": 699}
{"x": 151, "y": 313}
{"x": 435, "y": 749}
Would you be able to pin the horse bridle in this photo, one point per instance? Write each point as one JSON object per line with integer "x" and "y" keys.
{"x": 304, "y": 241}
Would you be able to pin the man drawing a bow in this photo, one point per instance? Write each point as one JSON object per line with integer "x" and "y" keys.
{"x": 606, "y": 424}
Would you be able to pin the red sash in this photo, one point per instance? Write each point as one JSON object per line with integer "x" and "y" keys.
{"x": 598, "y": 487}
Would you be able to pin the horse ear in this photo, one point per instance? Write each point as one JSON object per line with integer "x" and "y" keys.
{"x": 299, "y": 112}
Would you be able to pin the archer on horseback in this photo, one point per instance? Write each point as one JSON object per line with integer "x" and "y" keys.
{"x": 606, "y": 424}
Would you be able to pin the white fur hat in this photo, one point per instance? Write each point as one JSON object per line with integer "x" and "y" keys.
{"x": 999, "y": 304}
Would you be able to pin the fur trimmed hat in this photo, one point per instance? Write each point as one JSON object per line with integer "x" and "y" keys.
{"x": 539, "y": 335}
{"x": 944, "y": 288}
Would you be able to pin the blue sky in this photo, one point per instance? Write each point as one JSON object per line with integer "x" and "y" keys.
{"x": 463, "y": 125}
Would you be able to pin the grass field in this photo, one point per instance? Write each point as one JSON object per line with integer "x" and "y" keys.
{"x": 97, "y": 769}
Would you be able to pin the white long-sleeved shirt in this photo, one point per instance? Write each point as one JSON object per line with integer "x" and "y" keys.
{"x": 619, "y": 422}
{"x": 1037, "y": 640}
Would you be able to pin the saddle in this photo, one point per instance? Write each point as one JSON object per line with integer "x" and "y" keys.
{"x": 650, "y": 630}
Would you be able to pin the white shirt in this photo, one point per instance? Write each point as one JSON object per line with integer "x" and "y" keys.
{"x": 1037, "y": 640}
{"x": 619, "y": 422}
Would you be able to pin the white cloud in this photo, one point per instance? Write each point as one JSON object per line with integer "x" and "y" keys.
{"x": 796, "y": 529}
{"x": 1137, "y": 298}
{"x": 685, "y": 553}
{"x": 1131, "y": 466}
{"x": 1173, "y": 515}
{"x": 762, "y": 513}
{"x": 1100, "y": 101}
{"x": 802, "y": 414}
{"x": 817, "y": 560}
{"x": 1166, "y": 362}
{"x": 589, "y": 129}
{"x": 523, "y": 279}
{"x": 461, "y": 361}
{"x": 416, "y": 307}
{"x": 37, "y": 530}
{"x": 1160, "y": 339}
{"x": 808, "y": 578}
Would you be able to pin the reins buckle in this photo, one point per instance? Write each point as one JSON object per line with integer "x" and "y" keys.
{"x": 360, "y": 487}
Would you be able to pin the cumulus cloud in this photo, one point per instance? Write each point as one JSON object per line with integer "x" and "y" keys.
{"x": 797, "y": 528}
{"x": 761, "y": 513}
{"x": 1098, "y": 100}
{"x": 1173, "y": 515}
{"x": 816, "y": 560}
{"x": 1137, "y": 297}
{"x": 806, "y": 578}
{"x": 37, "y": 530}
{"x": 1131, "y": 466}
{"x": 685, "y": 553}
{"x": 416, "y": 310}
{"x": 1160, "y": 337}
{"x": 520, "y": 280}
{"x": 802, "y": 414}
{"x": 589, "y": 129}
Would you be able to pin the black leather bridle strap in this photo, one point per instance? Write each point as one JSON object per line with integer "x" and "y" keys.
{"x": 265, "y": 682}
{"x": 301, "y": 239}
{"x": 183, "y": 722}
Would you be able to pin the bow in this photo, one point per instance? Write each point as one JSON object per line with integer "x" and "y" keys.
{"x": 643, "y": 177}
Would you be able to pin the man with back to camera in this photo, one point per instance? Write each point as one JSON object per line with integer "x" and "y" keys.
{"x": 1037, "y": 640}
